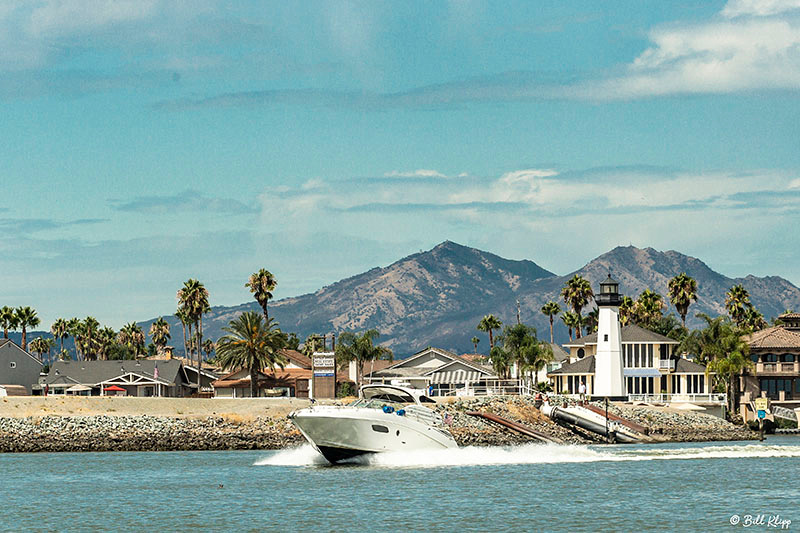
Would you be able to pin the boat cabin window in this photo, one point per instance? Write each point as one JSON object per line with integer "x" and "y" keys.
{"x": 425, "y": 399}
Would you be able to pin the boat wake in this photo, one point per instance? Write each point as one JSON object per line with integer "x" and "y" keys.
{"x": 530, "y": 454}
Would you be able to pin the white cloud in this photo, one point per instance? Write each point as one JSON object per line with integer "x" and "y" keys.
{"x": 421, "y": 173}
{"x": 748, "y": 48}
{"x": 57, "y": 17}
{"x": 762, "y": 8}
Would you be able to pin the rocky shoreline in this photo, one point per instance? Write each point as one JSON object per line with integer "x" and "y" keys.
{"x": 161, "y": 433}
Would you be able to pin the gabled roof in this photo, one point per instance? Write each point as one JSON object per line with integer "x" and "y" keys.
{"x": 581, "y": 366}
{"x": 297, "y": 358}
{"x": 684, "y": 366}
{"x": 400, "y": 368}
{"x": 95, "y": 372}
{"x": 775, "y": 337}
{"x": 11, "y": 345}
{"x": 470, "y": 366}
{"x": 447, "y": 354}
{"x": 559, "y": 354}
{"x": 630, "y": 334}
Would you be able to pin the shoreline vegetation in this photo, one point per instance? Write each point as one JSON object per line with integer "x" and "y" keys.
{"x": 117, "y": 424}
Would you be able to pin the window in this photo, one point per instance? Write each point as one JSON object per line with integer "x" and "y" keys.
{"x": 770, "y": 358}
{"x": 787, "y": 358}
{"x": 581, "y": 353}
{"x": 605, "y": 337}
{"x": 754, "y": 357}
{"x": 650, "y": 355}
{"x": 636, "y": 355}
{"x": 12, "y": 364}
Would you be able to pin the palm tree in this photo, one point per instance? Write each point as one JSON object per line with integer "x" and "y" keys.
{"x": 737, "y": 301}
{"x": 475, "y": 341}
{"x": 577, "y": 293}
{"x": 132, "y": 336}
{"x": 489, "y": 323}
{"x": 185, "y": 321}
{"x": 253, "y": 344}
{"x": 193, "y": 299}
{"x": 26, "y": 317}
{"x": 572, "y": 320}
{"x": 159, "y": 333}
{"x": 87, "y": 337}
{"x": 59, "y": 331}
{"x": 360, "y": 348}
{"x": 753, "y": 320}
{"x": 591, "y": 320}
{"x": 647, "y": 310}
{"x": 74, "y": 328}
{"x": 105, "y": 340}
{"x": 312, "y": 344}
{"x": 682, "y": 291}
{"x": 208, "y": 347}
{"x": 261, "y": 284}
{"x": 8, "y": 319}
{"x": 501, "y": 361}
{"x": 551, "y": 309}
{"x": 625, "y": 310}
{"x": 40, "y": 346}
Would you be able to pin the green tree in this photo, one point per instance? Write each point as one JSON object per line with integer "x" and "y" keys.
{"x": 625, "y": 311}
{"x": 132, "y": 336}
{"x": 488, "y": 324}
{"x": 360, "y": 348}
{"x": 251, "y": 343}
{"x": 475, "y": 341}
{"x": 591, "y": 320}
{"x": 501, "y": 361}
{"x": 261, "y": 284}
{"x": 753, "y": 320}
{"x": 26, "y": 317}
{"x": 193, "y": 300}
{"x": 159, "y": 333}
{"x": 8, "y": 319}
{"x": 737, "y": 302}
{"x": 186, "y": 321}
{"x": 577, "y": 293}
{"x": 59, "y": 331}
{"x": 648, "y": 309}
{"x": 682, "y": 291}
{"x": 572, "y": 320}
{"x": 550, "y": 310}
{"x": 294, "y": 342}
{"x": 313, "y": 343}
{"x": 208, "y": 347}
{"x": 39, "y": 346}
{"x": 523, "y": 348}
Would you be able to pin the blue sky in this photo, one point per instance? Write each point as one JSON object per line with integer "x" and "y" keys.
{"x": 146, "y": 142}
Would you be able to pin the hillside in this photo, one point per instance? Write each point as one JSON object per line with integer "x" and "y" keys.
{"x": 437, "y": 297}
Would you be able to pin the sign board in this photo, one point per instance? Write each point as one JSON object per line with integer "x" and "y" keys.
{"x": 762, "y": 404}
{"x": 323, "y": 374}
{"x": 325, "y": 362}
{"x": 762, "y": 413}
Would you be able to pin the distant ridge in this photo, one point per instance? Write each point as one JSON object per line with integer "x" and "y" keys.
{"x": 437, "y": 297}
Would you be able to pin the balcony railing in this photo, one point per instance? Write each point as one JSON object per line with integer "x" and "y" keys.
{"x": 666, "y": 364}
{"x": 678, "y": 398}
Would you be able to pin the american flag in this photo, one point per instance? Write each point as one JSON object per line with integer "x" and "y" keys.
{"x": 155, "y": 372}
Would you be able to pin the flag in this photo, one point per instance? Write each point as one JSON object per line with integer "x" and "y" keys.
{"x": 155, "y": 372}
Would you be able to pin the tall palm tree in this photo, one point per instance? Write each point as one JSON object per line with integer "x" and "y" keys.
{"x": 26, "y": 317}
{"x": 591, "y": 320}
{"x": 132, "y": 336}
{"x": 360, "y": 348}
{"x": 105, "y": 339}
{"x": 501, "y": 361}
{"x": 488, "y": 324}
{"x": 8, "y": 319}
{"x": 261, "y": 284}
{"x": 159, "y": 333}
{"x": 40, "y": 346}
{"x": 682, "y": 291}
{"x": 753, "y": 320}
{"x": 253, "y": 344}
{"x": 737, "y": 301}
{"x": 648, "y": 308}
{"x": 551, "y": 309}
{"x": 312, "y": 344}
{"x": 577, "y": 294}
{"x": 59, "y": 331}
{"x": 88, "y": 337}
{"x": 185, "y": 321}
{"x": 572, "y": 320}
{"x": 208, "y": 347}
{"x": 193, "y": 298}
{"x": 74, "y": 328}
{"x": 625, "y": 311}
{"x": 475, "y": 341}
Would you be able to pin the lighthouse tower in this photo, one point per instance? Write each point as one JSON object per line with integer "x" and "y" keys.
{"x": 608, "y": 378}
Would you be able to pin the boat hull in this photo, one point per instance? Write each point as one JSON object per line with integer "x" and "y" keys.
{"x": 342, "y": 433}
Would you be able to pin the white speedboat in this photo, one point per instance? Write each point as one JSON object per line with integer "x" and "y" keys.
{"x": 385, "y": 418}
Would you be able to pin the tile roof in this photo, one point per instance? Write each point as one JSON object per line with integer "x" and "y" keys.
{"x": 630, "y": 333}
{"x": 286, "y": 376}
{"x": 775, "y": 337}
{"x": 581, "y": 366}
{"x": 297, "y": 358}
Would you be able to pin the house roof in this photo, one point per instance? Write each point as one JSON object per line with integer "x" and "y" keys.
{"x": 581, "y": 366}
{"x": 297, "y": 358}
{"x": 9, "y": 344}
{"x": 684, "y": 366}
{"x": 775, "y": 337}
{"x": 630, "y": 334}
{"x": 283, "y": 376}
{"x": 559, "y": 354}
{"x": 789, "y": 316}
{"x": 398, "y": 368}
{"x": 94, "y": 372}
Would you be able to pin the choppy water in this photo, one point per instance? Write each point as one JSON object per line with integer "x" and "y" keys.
{"x": 674, "y": 487}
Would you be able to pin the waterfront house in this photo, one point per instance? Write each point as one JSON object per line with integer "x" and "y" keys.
{"x": 441, "y": 370}
{"x": 650, "y": 366}
{"x": 293, "y": 380}
{"x": 775, "y": 353}
{"x": 137, "y": 377}
{"x": 17, "y": 367}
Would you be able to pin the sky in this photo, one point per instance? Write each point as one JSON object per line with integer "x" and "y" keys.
{"x": 145, "y": 142}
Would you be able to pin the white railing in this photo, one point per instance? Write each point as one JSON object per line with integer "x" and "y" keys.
{"x": 666, "y": 364}
{"x": 680, "y": 398}
{"x": 500, "y": 387}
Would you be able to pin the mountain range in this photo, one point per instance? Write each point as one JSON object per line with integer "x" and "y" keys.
{"x": 437, "y": 297}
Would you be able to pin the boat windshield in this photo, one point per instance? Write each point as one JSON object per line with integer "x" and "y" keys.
{"x": 390, "y": 394}
{"x": 372, "y": 403}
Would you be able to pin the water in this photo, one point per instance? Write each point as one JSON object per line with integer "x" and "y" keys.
{"x": 671, "y": 487}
